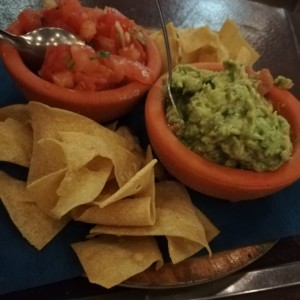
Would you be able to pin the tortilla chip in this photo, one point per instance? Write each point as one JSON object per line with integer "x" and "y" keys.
{"x": 211, "y": 231}
{"x": 238, "y": 48}
{"x": 43, "y": 190}
{"x": 132, "y": 140}
{"x": 138, "y": 186}
{"x": 82, "y": 170}
{"x": 193, "y": 39}
{"x": 16, "y": 142}
{"x": 48, "y": 122}
{"x": 179, "y": 250}
{"x": 54, "y": 120}
{"x": 201, "y": 44}
{"x": 135, "y": 211}
{"x": 18, "y": 112}
{"x": 131, "y": 205}
{"x": 110, "y": 260}
{"x": 126, "y": 163}
{"x": 158, "y": 37}
{"x": 112, "y": 126}
{"x": 47, "y": 158}
{"x": 176, "y": 217}
{"x": 65, "y": 155}
{"x": 37, "y": 227}
{"x": 81, "y": 187}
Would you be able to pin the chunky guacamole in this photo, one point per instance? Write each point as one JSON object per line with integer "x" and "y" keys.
{"x": 222, "y": 117}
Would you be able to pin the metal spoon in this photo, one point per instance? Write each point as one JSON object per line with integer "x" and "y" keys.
{"x": 169, "y": 55}
{"x": 32, "y": 45}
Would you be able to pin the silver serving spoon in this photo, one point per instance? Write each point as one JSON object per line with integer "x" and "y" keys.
{"x": 169, "y": 55}
{"x": 32, "y": 45}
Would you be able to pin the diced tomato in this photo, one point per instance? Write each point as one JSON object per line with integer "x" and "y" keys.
{"x": 87, "y": 30}
{"x": 72, "y": 6}
{"x": 50, "y": 4}
{"x": 97, "y": 82}
{"x": 140, "y": 48}
{"x": 133, "y": 70}
{"x": 16, "y": 28}
{"x": 68, "y": 15}
{"x": 132, "y": 53}
{"x": 72, "y": 13}
{"x": 106, "y": 44}
{"x": 112, "y": 15}
{"x": 64, "y": 79}
{"x": 264, "y": 79}
{"x": 30, "y": 20}
{"x": 57, "y": 59}
{"x": 93, "y": 13}
{"x": 83, "y": 58}
{"x": 81, "y": 67}
{"x": 53, "y": 18}
{"x": 112, "y": 24}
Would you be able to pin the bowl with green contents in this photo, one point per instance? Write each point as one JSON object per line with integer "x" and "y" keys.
{"x": 235, "y": 133}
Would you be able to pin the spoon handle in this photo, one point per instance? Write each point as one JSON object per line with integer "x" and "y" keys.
{"x": 168, "y": 51}
{"x": 6, "y": 36}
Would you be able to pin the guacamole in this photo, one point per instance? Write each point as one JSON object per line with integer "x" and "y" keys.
{"x": 222, "y": 117}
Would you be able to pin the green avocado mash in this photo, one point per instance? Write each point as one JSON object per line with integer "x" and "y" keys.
{"x": 222, "y": 117}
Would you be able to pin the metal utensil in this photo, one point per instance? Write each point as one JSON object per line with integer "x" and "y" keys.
{"x": 32, "y": 45}
{"x": 168, "y": 51}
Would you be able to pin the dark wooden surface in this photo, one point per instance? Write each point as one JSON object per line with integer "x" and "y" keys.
{"x": 287, "y": 4}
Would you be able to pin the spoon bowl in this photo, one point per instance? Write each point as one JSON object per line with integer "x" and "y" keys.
{"x": 32, "y": 45}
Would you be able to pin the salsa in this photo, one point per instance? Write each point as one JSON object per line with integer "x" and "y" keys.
{"x": 113, "y": 56}
{"x": 224, "y": 117}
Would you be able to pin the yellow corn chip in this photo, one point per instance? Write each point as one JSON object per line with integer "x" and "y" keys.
{"x": 236, "y": 45}
{"x": 176, "y": 217}
{"x": 16, "y": 142}
{"x": 43, "y": 190}
{"x": 201, "y": 44}
{"x": 110, "y": 260}
{"x": 81, "y": 187}
{"x": 36, "y": 226}
{"x": 48, "y": 122}
{"x": 126, "y": 163}
{"x": 131, "y": 205}
{"x": 18, "y": 112}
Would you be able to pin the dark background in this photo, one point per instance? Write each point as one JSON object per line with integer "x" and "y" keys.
{"x": 292, "y": 5}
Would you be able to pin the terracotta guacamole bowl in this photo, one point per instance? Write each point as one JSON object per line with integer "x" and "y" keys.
{"x": 210, "y": 178}
{"x": 102, "y": 106}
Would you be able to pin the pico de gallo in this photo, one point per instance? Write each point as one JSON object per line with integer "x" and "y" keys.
{"x": 114, "y": 54}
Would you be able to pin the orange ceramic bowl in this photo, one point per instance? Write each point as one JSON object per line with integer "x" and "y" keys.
{"x": 102, "y": 106}
{"x": 213, "y": 179}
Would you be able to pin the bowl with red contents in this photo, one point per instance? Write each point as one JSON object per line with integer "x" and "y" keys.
{"x": 103, "y": 80}
{"x": 235, "y": 134}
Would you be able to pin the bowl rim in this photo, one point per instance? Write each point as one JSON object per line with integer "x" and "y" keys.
{"x": 157, "y": 125}
{"x": 25, "y": 78}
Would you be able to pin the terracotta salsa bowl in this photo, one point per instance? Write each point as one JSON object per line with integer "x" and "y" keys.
{"x": 102, "y": 106}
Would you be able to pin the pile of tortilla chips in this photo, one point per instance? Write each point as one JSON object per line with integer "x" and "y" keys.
{"x": 201, "y": 44}
{"x": 80, "y": 170}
